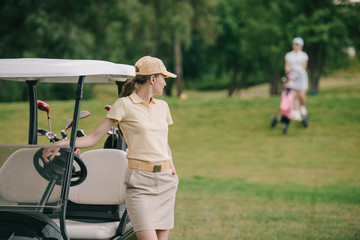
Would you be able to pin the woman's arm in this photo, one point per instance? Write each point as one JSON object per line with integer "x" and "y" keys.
{"x": 304, "y": 64}
{"x": 93, "y": 138}
{"x": 287, "y": 67}
{"x": 82, "y": 142}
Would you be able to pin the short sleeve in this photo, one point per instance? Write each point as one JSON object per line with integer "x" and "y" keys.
{"x": 117, "y": 110}
{"x": 168, "y": 116}
{"x": 287, "y": 56}
{"x": 306, "y": 57}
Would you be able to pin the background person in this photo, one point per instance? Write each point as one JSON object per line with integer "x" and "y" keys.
{"x": 295, "y": 65}
{"x": 151, "y": 177}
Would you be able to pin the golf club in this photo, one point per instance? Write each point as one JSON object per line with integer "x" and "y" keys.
{"x": 68, "y": 125}
{"x": 43, "y": 106}
{"x": 41, "y": 132}
{"x": 69, "y": 122}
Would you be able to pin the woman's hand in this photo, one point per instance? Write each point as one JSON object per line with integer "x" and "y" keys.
{"x": 49, "y": 153}
{"x": 173, "y": 168}
{"x": 171, "y": 161}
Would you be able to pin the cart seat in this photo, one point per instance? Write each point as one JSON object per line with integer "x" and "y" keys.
{"x": 103, "y": 188}
{"x": 20, "y": 182}
{"x": 83, "y": 230}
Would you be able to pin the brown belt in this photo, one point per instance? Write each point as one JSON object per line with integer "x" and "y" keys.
{"x": 149, "y": 168}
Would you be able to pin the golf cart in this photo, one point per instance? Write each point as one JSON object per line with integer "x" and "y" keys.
{"x": 72, "y": 197}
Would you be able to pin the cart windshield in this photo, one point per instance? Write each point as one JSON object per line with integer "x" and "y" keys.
{"x": 26, "y": 181}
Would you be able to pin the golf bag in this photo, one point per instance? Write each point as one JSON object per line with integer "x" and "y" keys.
{"x": 286, "y": 105}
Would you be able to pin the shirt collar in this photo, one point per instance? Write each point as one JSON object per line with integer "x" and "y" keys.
{"x": 136, "y": 99}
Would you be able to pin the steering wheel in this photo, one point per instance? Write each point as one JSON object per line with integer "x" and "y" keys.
{"x": 55, "y": 168}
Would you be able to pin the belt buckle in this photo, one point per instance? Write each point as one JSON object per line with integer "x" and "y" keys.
{"x": 157, "y": 168}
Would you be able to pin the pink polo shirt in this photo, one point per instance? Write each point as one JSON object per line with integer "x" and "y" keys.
{"x": 144, "y": 126}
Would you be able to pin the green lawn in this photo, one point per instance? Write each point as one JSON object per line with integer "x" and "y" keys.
{"x": 242, "y": 180}
{"x": 239, "y": 179}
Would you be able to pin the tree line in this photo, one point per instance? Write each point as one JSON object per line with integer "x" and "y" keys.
{"x": 210, "y": 44}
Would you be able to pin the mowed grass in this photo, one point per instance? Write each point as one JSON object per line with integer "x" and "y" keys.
{"x": 242, "y": 180}
{"x": 239, "y": 179}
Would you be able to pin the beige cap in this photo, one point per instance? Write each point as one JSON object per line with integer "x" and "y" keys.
{"x": 150, "y": 65}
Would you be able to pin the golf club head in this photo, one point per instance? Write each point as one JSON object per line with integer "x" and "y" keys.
{"x": 63, "y": 134}
{"x": 68, "y": 124}
{"x": 84, "y": 114}
{"x": 107, "y": 107}
{"x": 43, "y": 106}
{"x": 80, "y": 133}
{"x": 116, "y": 131}
{"x": 110, "y": 132}
{"x": 50, "y": 136}
{"x": 41, "y": 132}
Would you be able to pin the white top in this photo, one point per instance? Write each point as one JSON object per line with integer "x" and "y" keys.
{"x": 144, "y": 126}
{"x": 64, "y": 70}
{"x": 299, "y": 79}
{"x": 296, "y": 59}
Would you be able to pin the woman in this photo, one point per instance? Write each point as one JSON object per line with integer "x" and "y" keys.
{"x": 151, "y": 177}
{"x": 295, "y": 66}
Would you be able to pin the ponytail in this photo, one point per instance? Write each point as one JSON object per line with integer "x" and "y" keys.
{"x": 129, "y": 86}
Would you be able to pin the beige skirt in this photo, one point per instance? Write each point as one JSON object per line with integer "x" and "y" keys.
{"x": 150, "y": 199}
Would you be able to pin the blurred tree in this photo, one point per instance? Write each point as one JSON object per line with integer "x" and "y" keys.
{"x": 179, "y": 18}
{"x": 325, "y": 34}
{"x": 232, "y": 43}
{"x": 51, "y": 29}
{"x": 13, "y": 28}
{"x": 349, "y": 13}
{"x": 201, "y": 54}
{"x": 251, "y": 43}
{"x": 229, "y": 52}
{"x": 263, "y": 40}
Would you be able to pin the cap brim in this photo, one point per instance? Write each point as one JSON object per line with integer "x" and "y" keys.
{"x": 169, "y": 75}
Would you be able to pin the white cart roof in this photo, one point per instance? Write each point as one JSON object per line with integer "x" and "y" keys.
{"x": 64, "y": 70}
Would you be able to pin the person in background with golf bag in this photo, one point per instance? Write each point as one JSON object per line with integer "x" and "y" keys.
{"x": 295, "y": 67}
{"x": 151, "y": 177}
